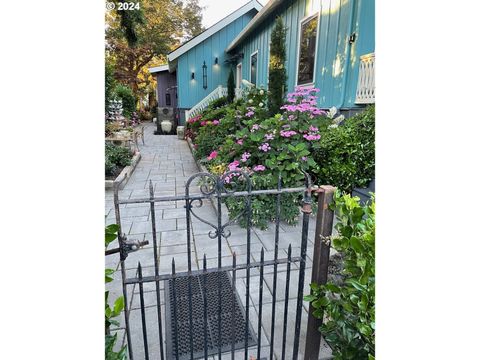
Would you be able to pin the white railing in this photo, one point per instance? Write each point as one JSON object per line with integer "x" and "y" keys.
{"x": 366, "y": 80}
{"x": 219, "y": 92}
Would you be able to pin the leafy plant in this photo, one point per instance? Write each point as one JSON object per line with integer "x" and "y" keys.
{"x": 111, "y": 312}
{"x": 348, "y": 309}
{"x": 116, "y": 157}
{"x": 346, "y": 155}
{"x": 125, "y": 94}
{"x": 277, "y": 73}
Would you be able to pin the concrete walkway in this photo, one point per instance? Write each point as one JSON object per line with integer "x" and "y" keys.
{"x": 168, "y": 163}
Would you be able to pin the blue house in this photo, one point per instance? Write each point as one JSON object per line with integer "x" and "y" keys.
{"x": 330, "y": 45}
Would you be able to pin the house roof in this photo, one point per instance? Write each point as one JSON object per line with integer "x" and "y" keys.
{"x": 251, "y": 5}
{"x": 159, "y": 68}
{"x": 254, "y": 23}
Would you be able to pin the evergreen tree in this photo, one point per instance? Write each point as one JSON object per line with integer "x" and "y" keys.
{"x": 277, "y": 74}
{"x": 231, "y": 87}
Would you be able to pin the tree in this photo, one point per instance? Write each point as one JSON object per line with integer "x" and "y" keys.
{"x": 277, "y": 74}
{"x": 145, "y": 36}
{"x": 230, "y": 87}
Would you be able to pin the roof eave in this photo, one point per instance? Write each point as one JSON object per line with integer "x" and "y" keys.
{"x": 256, "y": 21}
{"x": 251, "y": 5}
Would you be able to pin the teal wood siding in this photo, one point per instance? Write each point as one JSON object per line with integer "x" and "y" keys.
{"x": 191, "y": 92}
{"x": 336, "y": 68}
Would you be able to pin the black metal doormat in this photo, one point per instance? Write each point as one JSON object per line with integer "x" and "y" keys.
{"x": 231, "y": 304}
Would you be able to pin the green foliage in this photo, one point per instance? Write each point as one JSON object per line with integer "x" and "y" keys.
{"x": 125, "y": 94}
{"x": 116, "y": 157}
{"x": 277, "y": 73}
{"x": 218, "y": 103}
{"x": 129, "y": 21}
{"x": 110, "y": 84}
{"x": 346, "y": 155}
{"x": 348, "y": 309}
{"x": 111, "y": 312}
{"x": 231, "y": 86}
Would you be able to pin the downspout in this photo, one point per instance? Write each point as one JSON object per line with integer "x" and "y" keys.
{"x": 347, "y": 58}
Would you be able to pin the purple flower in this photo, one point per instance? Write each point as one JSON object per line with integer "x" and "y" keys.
{"x": 245, "y": 156}
{"x": 310, "y": 137}
{"x": 240, "y": 141}
{"x": 259, "y": 168}
{"x": 287, "y": 133}
{"x": 269, "y": 136}
{"x": 313, "y": 128}
{"x": 255, "y": 127}
{"x": 264, "y": 147}
{"x": 304, "y": 158}
{"x": 249, "y": 114}
{"x": 215, "y": 122}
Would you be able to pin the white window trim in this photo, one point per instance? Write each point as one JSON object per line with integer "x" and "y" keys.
{"x": 305, "y": 19}
{"x": 250, "y": 69}
{"x": 238, "y": 84}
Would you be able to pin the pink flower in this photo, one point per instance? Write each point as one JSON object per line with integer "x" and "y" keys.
{"x": 304, "y": 158}
{"x": 259, "y": 168}
{"x": 212, "y": 155}
{"x": 215, "y": 122}
{"x": 313, "y": 128}
{"x": 264, "y": 147}
{"x": 240, "y": 141}
{"x": 245, "y": 156}
{"x": 269, "y": 136}
{"x": 233, "y": 165}
{"x": 203, "y": 123}
{"x": 249, "y": 114}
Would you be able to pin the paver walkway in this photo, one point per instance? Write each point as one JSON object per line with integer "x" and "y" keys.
{"x": 168, "y": 163}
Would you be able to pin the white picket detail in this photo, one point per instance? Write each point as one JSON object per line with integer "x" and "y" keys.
{"x": 366, "y": 80}
{"x": 219, "y": 92}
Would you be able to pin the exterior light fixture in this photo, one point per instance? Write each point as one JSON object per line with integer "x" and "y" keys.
{"x": 216, "y": 61}
{"x": 204, "y": 68}
{"x": 193, "y": 75}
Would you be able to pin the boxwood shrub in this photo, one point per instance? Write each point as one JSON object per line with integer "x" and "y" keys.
{"x": 346, "y": 155}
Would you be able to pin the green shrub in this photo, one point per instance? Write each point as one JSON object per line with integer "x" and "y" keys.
{"x": 277, "y": 73}
{"x": 346, "y": 155}
{"x": 230, "y": 86}
{"x": 116, "y": 157}
{"x": 110, "y": 84}
{"x": 111, "y": 312}
{"x": 349, "y": 308}
{"x": 125, "y": 94}
{"x": 217, "y": 103}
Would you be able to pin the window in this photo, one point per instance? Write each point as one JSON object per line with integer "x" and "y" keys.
{"x": 168, "y": 100}
{"x": 253, "y": 68}
{"x": 306, "y": 53}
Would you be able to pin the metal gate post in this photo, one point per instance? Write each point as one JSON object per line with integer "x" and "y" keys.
{"x": 321, "y": 254}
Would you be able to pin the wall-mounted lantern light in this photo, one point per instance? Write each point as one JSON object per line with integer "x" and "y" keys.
{"x": 216, "y": 61}
{"x": 193, "y": 75}
{"x": 204, "y": 68}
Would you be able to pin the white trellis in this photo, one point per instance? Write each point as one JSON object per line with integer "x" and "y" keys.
{"x": 366, "y": 80}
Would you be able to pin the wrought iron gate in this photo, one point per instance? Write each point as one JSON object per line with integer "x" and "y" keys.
{"x": 202, "y": 314}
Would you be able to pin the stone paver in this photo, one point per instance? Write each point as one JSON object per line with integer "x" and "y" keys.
{"x": 168, "y": 163}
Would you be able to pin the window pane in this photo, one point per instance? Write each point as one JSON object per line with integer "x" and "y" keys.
{"x": 308, "y": 41}
{"x": 253, "y": 69}
{"x": 168, "y": 100}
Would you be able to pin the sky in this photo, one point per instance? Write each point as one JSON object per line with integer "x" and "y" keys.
{"x": 216, "y": 10}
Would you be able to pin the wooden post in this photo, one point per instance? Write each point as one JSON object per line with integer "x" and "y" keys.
{"x": 321, "y": 255}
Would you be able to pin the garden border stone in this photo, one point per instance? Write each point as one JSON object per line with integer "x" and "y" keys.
{"x": 127, "y": 171}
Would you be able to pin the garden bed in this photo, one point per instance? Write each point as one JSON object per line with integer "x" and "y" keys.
{"x": 125, "y": 174}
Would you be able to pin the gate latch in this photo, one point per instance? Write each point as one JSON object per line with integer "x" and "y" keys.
{"x": 126, "y": 247}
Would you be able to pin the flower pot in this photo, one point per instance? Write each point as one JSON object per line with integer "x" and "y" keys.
{"x": 166, "y": 126}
